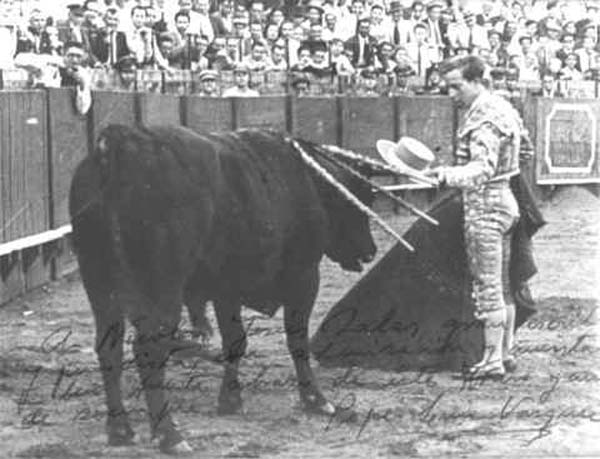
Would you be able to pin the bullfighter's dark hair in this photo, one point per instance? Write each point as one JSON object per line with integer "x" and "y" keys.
{"x": 472, "y": 67}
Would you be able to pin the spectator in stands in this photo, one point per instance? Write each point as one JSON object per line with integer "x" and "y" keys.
{"x": 470, "y": 35}
{"x": 512, "y": 82}
{"x": 526, "y": 60}
{"x": 241, "y": 76}
{"x": 141, "y": 41}
{"x": 70, "y": 31}
{"x": 569, "y": 69}
{"x": 278, "y": 58}
{"x": 271, "y": 34}
{"x": 257, "y": 12}
{"x": 202, "y": 9}
{"x": 549, "y": 42}
{"x": 50, "y": 43}
{"x": 549, "y": 86}
{"x": 320, "y": 66}
{"x": 276, "y": 17}
{"x": 300, "y": 84}
{"x": 348, "y": 23}
{"x": 434, "y": 84}
{"x": 498, "y": 54}
{"x": 75, "y": 74}
{"x": 567, "y": 46}
{"x": 330, "y": 30}
{"x": 110, "y": 44}
{"x": 182, "y": 32}
{"x": 420, "y": 52}
{"x": 398, "y": 29}
{"x": 126, "y": 68}
{"x": 403, "y": 74}
{"x": 258, "y": 59}
{"x": 304, "y": 59}
{"x": 417, "y": 12}
{"x": 435, "y": 27}
{"x": 587, "y": 54}
{"x": 177, "y": 58}
{"x": 222, "y": 20}
{"x": 30, "y": 39}
{"x": 232, "y": 48}
{"x": 340, "y": 62}
{"x": 384, "y": 63}
{"x": 379, "y": 23}
{"x": 208, "y": 83}
{"x": 364, "y": 47}
{"x": 368, "y": 86}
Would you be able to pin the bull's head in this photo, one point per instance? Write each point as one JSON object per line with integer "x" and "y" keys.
{"x": 350, "y": 242}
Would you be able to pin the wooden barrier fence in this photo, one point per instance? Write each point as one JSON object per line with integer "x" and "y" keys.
{"x": 42, "y": 139}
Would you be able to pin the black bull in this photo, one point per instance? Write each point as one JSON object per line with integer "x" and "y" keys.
{"x": 163, "y": 217}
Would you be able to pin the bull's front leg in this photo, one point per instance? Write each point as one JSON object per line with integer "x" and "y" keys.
{"x": 234, "y": 339}
{"x": 299, "y": 297}
{"x": 151, "y": 349}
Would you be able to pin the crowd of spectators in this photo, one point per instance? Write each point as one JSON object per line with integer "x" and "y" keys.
{"x": 244, "y": 48}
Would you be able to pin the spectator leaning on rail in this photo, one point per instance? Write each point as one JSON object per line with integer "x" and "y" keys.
{"x": 75, "y": 73}
{"x": 241, "y": 76}
{"x": 487, "y": 155}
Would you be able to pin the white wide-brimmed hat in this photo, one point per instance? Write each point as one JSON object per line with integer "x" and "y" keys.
{"x": 408, "y": 154}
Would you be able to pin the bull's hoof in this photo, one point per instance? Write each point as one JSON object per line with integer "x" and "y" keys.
{"x": 181, "y": 448}
{"x": 328, "y": 409}
{"x": 121, "y": 435}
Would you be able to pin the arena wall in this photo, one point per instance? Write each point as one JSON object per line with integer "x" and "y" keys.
{"x": 42, "y": 139}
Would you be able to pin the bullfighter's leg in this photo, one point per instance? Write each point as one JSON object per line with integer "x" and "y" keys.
{"x": 510, "y": 364}
{"x": 300, "y": 294}
{"x": 110, "y": 328}
{"x": 155, "y": 332}
{"x": 234, "y": 338}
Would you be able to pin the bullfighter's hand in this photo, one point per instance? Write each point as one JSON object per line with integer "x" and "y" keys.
{"x": 437, "y": 173}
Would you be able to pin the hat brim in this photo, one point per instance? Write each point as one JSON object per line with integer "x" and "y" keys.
{"x": 388, "y": 150}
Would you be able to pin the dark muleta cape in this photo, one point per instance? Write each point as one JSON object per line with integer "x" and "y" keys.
{"x": 412, "y": 310}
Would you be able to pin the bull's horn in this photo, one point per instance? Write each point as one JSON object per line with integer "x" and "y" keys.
{"x": 348, "y": 194}
{"x": 386, "y": 193}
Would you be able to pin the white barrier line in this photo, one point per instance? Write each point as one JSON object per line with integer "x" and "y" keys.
{"x": 34, "y": 240}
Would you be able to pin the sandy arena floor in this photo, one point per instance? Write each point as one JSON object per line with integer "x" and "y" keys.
{"x": 51, "y": 399}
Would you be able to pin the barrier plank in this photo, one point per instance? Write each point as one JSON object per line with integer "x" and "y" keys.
{"x": 113, "y": 107}
{"x": 205, "y": 114}
{"x": 315, "y": 118}
{"x": 261, "y": 112}
{"x": 25, "y": 166}
{"x": 159, "y": 109}
{"x": 4, "y": 155}
{"x": 365, "y": 120}
{"x": 68, "y": 145}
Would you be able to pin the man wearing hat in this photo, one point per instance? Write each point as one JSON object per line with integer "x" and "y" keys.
{"x": 126, "y": 68}
{"x": 363, "y": 45}
{"x": 75, "y": 74}
{"x": 487, "y": 156}
{"x": 208, "y": 84}
{"x": 436, "y": 28}
{"x": 241, "y": 76}
{"x": 398, "y": 29}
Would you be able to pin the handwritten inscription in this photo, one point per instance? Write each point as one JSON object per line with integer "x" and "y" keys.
{"x": 534, "y": 413}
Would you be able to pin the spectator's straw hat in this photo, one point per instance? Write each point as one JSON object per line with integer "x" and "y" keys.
{"x": 239, "y": 19}
{"x": 206, "y": 75}
{"x": 75, "y": 9}
{"x": 436, "y": 4}
{"x": 404, "y": 71}
{"x": 408, "y": 154}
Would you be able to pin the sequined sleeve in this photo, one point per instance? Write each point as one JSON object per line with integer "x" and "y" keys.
{"x": 484, "y": 147}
